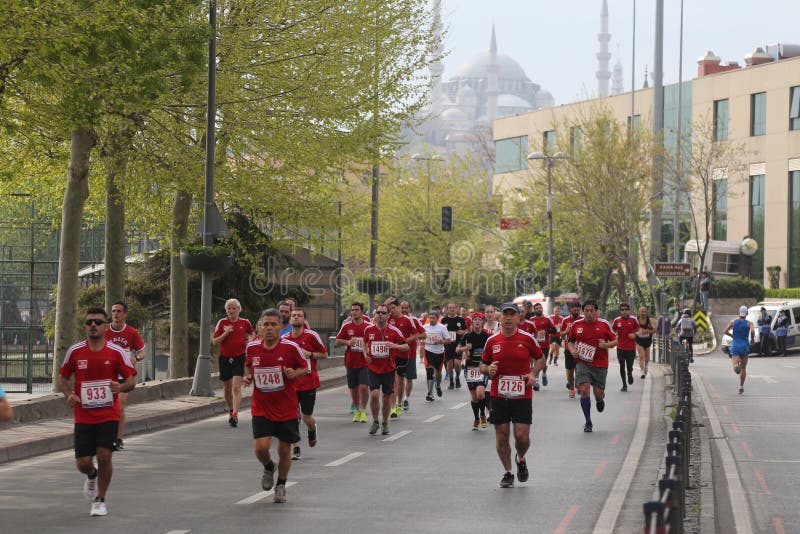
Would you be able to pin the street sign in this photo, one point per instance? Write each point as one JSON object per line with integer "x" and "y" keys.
{"x": 513, "y": 223}
{"x": 672, "y": 269}
{"x": 701, "y": 320}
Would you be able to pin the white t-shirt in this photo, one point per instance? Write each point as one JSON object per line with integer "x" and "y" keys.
{"x": 436, "y": 332}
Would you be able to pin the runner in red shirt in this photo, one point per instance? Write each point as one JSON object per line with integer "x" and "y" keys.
{"x": 127, "y": 337}
{"x": 384, "y": 343}
{"x": 589, "y": 341}
{"x": 411, "y": 370}
{"x": 306, "y": 386}
{"x": 555, "y": 339}
{"x": 543, "y": 328}
{"x": 97, "y": 365}
{"x": 625, "y": 327}
{"x": 351, "y": 335}
{"x": 512, "y": 358}
{"x": 402, "y": 361}
{"x": 569, "y": 361}
{"x": 232, "y": 334}
{"x": 272, "y": 365}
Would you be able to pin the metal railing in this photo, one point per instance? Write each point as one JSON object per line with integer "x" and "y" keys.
{"x": 667, "y": 511}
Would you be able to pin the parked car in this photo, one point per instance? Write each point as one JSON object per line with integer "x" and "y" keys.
{"x": 792, "y": 310}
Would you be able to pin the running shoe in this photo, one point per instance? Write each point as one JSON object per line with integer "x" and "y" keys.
{"x": 587, "y": 427}
{"x": 522, "y": 470}
{"x": 280, "y": 493}
{"x": 405, "y": 405}
{"x": 356, "y": 416}
{"x": 507, "y": 481}
{"x": 312, "y": 437}
{"x": 536, "y": 386}
{"x": 484, "y": 422}
{"x": 374, "y": 428}
{"x": 398, "y": 410}
{"x": 544, "y": 380}
{"x": 90, "y": 488}
{"x": 567, "y": 385}
{"x": 429, "y": 398}
{"x": 572, "y": 394}
{"x": 642, "y": 377}
{"x": 630, "y": 379}
{"x": 353, "y": 408}
{"x": 98, "y": 509}
{"x": 458, "y": 381}
{"x": 118, "y": 445}
{"x": 438, "y": 390}
{"x": 363, "y": 416}
{"x": 268, "y": 478}
{"x": 741, "y": 391}
{"x": 475, "y": 425}
{"x": 555, "y": 362}
{"x": 384, "y": 429}
{"x": 392, "y": 412}
{"x": 624, "y": 388}
{"x": 601, "y": 405}
{"x": 452, "y": 385}
{"x": 233, "y": 420}
{"x": 737, "y": 369}
{"x": 296, "y": 453}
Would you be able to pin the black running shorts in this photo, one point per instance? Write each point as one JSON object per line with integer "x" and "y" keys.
{"x": 307, "y": 400}
{"x": 286, "y": 431}
{"x": 90, "y": 437}
{"x": 230, "y": 367}
{"x": 512, "y": 411}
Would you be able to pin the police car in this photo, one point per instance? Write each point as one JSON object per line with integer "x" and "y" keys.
{"x": 790, "y": 307}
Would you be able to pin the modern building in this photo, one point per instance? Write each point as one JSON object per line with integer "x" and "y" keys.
{"x": 756, "y": 106}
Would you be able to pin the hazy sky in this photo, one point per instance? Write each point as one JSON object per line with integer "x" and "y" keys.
{"x": 555, "y": 42}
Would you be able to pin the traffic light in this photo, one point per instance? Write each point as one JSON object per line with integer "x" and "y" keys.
{"x": 447, "y": 218}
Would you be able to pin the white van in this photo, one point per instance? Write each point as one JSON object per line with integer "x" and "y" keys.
{"x": 792, "y": 310}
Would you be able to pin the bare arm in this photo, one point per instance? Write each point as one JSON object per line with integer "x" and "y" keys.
{"x": 66, "y": 389}
{"x": 5, "y": 409}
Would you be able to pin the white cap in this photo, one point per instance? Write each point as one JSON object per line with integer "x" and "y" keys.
{"x": 743, "y": 311}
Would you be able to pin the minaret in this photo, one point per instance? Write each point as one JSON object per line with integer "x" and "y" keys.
{"x": 437, "y": 67}
{"x": 491, "y": 86}
{"x": 603, "y": 56}
{"x": 617, "y": 83}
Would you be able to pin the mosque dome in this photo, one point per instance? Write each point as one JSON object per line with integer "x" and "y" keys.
{"x": 544, "y": 99}
{"x": 512, "y": 101}
{"x": 454, "y": 114}
{"x": 466, "y": 96}
{"x": 478, "y": 68}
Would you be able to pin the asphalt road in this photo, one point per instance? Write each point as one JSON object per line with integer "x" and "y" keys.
{"x": 432, "y": 474}
{"x": 755, "y": 444}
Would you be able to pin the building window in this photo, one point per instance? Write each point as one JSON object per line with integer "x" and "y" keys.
{"x": 719, "y": 194}
{"x": 794, "y": 108}
{"x": 794, "y": 229}
{"x": 576, "y": 139}
{"x": 757, "y": 186}
{"x": 758, "y": 114}
{"x": 721, "y": 120}
{"x": 511, "y": 154}
{"x": 722, "y": 262}
{"x": 549, "y": 142}
{"x": 634, "y": 123}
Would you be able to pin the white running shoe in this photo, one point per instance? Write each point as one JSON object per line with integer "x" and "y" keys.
{"x": 280, "y": 493}
{"x": 90, "y": 488}
{"x": 98, "y": 509}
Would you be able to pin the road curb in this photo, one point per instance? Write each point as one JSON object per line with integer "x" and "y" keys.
{"x": 707, "y": 504}
{"x": 197, "y": 408}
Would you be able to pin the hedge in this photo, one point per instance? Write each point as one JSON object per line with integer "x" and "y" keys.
{"x": 736, "y": 288}
{"x": 785, "y": 293}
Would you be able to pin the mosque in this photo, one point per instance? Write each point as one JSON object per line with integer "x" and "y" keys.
{"x": 461, "y": 110}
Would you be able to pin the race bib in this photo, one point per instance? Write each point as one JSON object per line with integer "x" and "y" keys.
{"x": 474, "y": 374}
{"x": 433, "y": 340}
{"x": 96, "y": 394}
{"x": 452, "y": 334}
{"x": 357, "y": 344}
{"x": 308, "y": 366}
{"x": 541, "y": 335}
{"x": 380, "y": 349}
{"x": 585, "y": 351}
{"x": 511, "y": 387}
{"x": 268, "y": 379}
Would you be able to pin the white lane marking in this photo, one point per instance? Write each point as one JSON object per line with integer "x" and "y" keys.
{"x": 616, "y": 497}
{"x": 790, "y": 366}
{"x": 179, "y": 532}
{"x": 262, "y": 495}
{"x": 433, "y": 418}
{"x": 398, "y": 435}
{"x": 766, "y": 378}
{"x": 459, "y": 405}
{"x": 345, "y": 459}
{"x": 741, "y": 509}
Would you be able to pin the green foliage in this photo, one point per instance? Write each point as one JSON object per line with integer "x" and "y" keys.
{"x": 783, "y": 293}
{"x": 217, "y": 250}
{"x": 736, "y": 288}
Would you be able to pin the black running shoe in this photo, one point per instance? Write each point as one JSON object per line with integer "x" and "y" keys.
{"x": 312, "y": 437}
{"x": 522, "y": 470}
{"x": 458, "y": 382}
{"x": 507, "y": 481}
{"x": 233, "y": 420}
{"x": 429, "y": 398}
{"x": 118, "y": 445}
{"x": 587, "y": 427}
{"x": 296, "y": 453}
{"x": 452, "y": 385}
{"x": 630, "y": 379}
{"x": 601, "y": 405}
{"x": 624, "y": 388}
{"x": 438, "y": 391}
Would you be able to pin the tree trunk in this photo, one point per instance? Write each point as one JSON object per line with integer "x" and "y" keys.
{"x": 77, "y": 191}
{"x": 115, "y": 219}
{"x": 179, "y": 289}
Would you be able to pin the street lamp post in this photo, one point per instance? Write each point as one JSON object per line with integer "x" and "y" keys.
{"x": 418, "y": 158}
{"x": 549, "y": 161}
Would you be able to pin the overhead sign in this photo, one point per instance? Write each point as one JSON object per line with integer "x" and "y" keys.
{"x": 513, "y": 223}
{"x": 701, "y": 321}
{"x": 672, "y": 269}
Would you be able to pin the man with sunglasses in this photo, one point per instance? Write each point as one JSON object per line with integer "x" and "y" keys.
{"x": 122, "y": 334}
{"x": 625, "y": 327}
{"x": 96, "y": 364}
{"x": 384, "y": 343}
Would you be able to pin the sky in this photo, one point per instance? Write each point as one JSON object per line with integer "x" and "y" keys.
{"x": 555, "y": 42}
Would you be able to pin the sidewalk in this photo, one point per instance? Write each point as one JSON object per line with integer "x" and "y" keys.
{"x": 24, "y": 440}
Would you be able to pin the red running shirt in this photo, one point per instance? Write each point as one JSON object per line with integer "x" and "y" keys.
{"x": 543, "y": 327}
{"x": 310, "y": 341}
{"x": 623, "y": 327}
{"x": 587, "y": 337}
{"x": 383, "y": 357}
{"x": 128, "y": 338}
{"x": 274, "y": 395}
{"x": 234, "y": 343}
{"x": 514, "y": 355}
{"x": 354, "y": 355}
{"x": 94, "y": 372}
{"x": 557, "y": 320}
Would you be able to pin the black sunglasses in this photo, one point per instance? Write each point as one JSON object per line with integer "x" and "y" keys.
{"x": 98, "y": 322}
{"x": 382, "y": 312}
